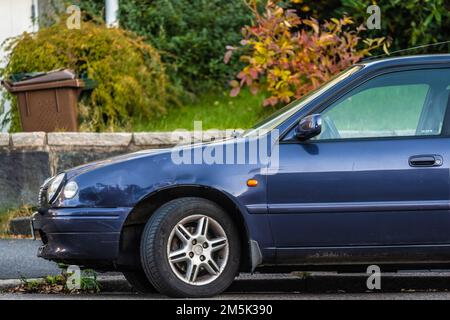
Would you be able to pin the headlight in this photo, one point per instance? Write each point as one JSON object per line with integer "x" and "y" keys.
{"x": 55, "y": 187}
{"x": 70, "y": 190}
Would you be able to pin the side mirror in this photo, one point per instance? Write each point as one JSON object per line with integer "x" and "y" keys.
{"x": 309, "y": 127}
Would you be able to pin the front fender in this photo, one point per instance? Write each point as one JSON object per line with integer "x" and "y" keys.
{"x": 126, "y": 183}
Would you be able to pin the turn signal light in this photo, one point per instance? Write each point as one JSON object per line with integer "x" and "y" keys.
{"x": 252, "y": 183}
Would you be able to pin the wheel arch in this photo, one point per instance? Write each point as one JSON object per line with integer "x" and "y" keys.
{"x": 129, "y": 257}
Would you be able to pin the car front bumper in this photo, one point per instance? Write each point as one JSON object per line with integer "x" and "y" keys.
{"x": 88, "y": 236}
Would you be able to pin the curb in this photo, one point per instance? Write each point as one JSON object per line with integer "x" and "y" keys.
{"x": 315, "y": 283}
{"x": 109, "y": 284}
{"x": 9, "y": 284}
{"x": 20, "y": 226}
{"x": 344, "y": 283}
{"x": 114, "y": 284}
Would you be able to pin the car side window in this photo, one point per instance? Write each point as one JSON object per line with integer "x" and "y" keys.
{"x": 406, "y": 103}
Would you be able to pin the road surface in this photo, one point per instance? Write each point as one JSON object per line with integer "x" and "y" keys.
{"x": 18, "y": 259}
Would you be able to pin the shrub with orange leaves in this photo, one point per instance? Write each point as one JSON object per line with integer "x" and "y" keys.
{"x": 288, "y": 56}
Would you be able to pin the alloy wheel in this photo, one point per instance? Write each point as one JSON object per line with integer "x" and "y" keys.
{"x": 197, "y": 250}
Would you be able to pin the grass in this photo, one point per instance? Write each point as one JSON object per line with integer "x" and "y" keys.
{"x": 7, "y": 215}
{"x": 215, "y": 110}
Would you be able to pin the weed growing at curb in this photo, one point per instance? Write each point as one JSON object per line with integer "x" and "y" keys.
{"x": 58, "y": 284}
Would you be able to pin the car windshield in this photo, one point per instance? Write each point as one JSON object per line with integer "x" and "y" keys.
{"x": 286, "y": 112}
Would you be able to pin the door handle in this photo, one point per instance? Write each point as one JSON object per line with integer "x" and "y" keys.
{"x": 426, "y": 161}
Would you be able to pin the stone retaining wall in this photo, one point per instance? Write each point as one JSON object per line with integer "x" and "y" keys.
{"x": 27, "y": 159}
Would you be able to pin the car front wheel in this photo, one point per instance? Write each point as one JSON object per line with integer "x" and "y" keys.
{"x": 190, "y": 248}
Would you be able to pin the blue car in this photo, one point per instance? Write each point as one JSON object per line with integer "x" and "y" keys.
{"x": 354, "y": 174}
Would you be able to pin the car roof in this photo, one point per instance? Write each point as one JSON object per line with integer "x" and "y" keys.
{"x": 406, "y": 60}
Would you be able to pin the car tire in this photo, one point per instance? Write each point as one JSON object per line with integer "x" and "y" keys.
{"x": 209, "y": 259}
{"x": 139, "y": 281}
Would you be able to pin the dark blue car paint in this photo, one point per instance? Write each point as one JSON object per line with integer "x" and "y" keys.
{"x": 356, "y": 201}
{"x": 350, "y": 173}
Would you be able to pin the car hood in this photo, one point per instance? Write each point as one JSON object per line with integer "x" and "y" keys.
{"x": 136, "y": 155}
{"x": 114, "y": 160}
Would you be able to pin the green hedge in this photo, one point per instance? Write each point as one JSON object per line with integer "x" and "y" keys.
{"x": 408, "y": 22}
{"x": 191, "y": 35}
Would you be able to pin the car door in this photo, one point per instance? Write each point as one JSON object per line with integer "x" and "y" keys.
{"x": 377, "y": 175}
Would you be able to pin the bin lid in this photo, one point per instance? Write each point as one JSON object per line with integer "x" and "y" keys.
{"x": 51, "y": 76}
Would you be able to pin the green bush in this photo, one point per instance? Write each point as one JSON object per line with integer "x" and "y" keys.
{"x": 131, "y": 77}
{"x": 318, "y": 9}
{"x": 191, "y": 35}
{"x": 408, "y": 22}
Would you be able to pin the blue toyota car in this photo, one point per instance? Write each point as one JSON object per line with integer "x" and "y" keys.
{"x": 354, "y": 174}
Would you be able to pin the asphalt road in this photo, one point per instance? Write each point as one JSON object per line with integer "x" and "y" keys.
{"x": 18, "y": 259}
{"x": 245, "y": 296}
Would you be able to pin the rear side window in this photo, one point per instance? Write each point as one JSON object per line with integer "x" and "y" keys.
{"x": 407, "y": 103}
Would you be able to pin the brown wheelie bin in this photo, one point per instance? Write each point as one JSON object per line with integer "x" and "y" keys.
{"x": 47, "y": 101}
